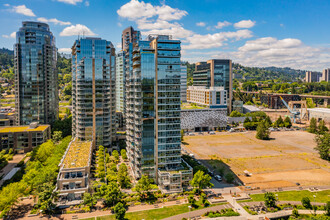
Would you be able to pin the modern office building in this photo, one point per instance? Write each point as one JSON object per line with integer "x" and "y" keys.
{"x": 326, "y": 75}
{"x": 23, "y": 139}
{"x": 214, "y": 97}
{"x": 120, "y": 81}
{"x": 215, "y": 73}
{"x": 183, "y": 83}
{"x": 153, "y": 113}
{"x": 74, "y": 173}
{"x": 93, "y": 91}
{"x": 313, "y": 76}
{"x": 36, "y": 89}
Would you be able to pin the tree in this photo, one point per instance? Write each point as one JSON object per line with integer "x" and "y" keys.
{"x": 57, "y": 136}
{"x": 123, "y": 154}
{"x": 89, "y": 200}
{"x": 110, "y": 193}
{"x": 327, "y": 208}
{"x": 116, "y": 155}
{"x": 143, "y": 186}
{"x": 295, "y": 213}
{"x": 262, "y": 131}
{"x": 287, "y": 122}
{"x": 270, "y": 200}
{"x": 306, "y": 202}
{"x": 279, "y": 122}
{"x": 192, "y": 200}
{"x": 323, "y": 145}
{"x": 120, "y": 211}
{"x": 312, "y": 125}
{"x": 229, "y": 177}
{"x": 236, "y": 114}
{"x": 46, "y": 198}
{"x": 322, "y": 128}
{"x": 268, "y": 121}
{"x": 201, "y": 181}
{"x": 123, "y": 177}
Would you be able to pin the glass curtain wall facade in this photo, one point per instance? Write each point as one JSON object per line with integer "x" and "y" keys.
{"x": 93, "y": 91}
{"x": 183, "y": 83}
{"x": 36, "y": 89}
{"x": 215, "y": 73}
{"x": 120, "y": 79}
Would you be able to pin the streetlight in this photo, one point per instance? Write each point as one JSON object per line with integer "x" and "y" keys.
{"x": 189, "y": 211}
{"x": 314, "y": 198}
{"x": 276, "y": 196}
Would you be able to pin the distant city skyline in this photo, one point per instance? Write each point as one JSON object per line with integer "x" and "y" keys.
{"x": 253, "y": 33}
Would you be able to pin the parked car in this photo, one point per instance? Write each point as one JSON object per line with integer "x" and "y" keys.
{"x": 191, "y": 134}
{"x": 218, "y": 177}
{"x": 212, "y": 132}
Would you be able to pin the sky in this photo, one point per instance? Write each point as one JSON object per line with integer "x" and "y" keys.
{"x": 282, "y": 33}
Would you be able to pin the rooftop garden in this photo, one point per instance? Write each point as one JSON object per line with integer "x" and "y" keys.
{"x": 78, "y": 154}
{"x": 22, "y": 129}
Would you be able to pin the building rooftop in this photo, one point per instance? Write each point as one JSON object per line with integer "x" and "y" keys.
{"x": 323, "y": 110}
{"x": 77, "y": 155}
{"x": 14, "y": 129}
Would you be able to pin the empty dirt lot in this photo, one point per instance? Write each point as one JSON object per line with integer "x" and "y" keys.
{"x": 287, "y": 159}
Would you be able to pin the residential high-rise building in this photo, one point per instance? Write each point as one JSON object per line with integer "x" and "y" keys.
{"x": 215, "y": 73}
{"x": 183, "y": 83}
{"x": 326, "y": 75}
{"x": 93, "y": 91}
{"x": 128, "y": 36}
{"x": 36, "y": 89}
{"x": 120, "y": 81}
{"x": 153, "y": 113}
{"x": 313, "y": 76}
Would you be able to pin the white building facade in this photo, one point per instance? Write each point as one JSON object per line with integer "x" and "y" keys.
{"x": 214, "y": 97}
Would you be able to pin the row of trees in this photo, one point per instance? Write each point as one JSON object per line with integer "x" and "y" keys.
{"x": 39, "y": 177}
{"x": 322, "y": 138}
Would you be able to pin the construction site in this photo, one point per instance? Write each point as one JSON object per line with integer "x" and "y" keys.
{"x": 288, "y": 159}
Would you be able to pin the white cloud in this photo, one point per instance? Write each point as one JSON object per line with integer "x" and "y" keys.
{"x": 222, "y": 24}
{"x": 54, "y": 20}
{"x": 176, "y": 32}
{"x": 78, "y": 29}
{"x": 244, "y": 24}
{"x": 12, "y": 35}
{"x": 136, "y": 10}
{"x": 6, "y": 5}
{"x": 64, "y": 50}
{"x": 198, "y": 41}
{"x": 72, "y": 2}
{"x": 87, "y": 3}
{"x": 201, "y": 24}
{"x": 22, "y": 9}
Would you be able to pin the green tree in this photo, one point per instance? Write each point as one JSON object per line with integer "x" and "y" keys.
{"x": 323, "y": 145}
{"x": 192, "y": 201}
{"x": 279, "y": 122}
{"x": 312, "y": 125}
{"x": 229, "y": 177}
{"x": 111, "y": 194}
{"x": 287, "y": 122}
{"x": 327, "y": 208}
{"x": 123, "y": 177}
{"x": 262, "y": 131}
{"x": 322, "y": 128}
{"x": 182, "y": 134}
{"x": 46, "y": 198}
{"x": 57, "y": 136}
{"x": 200, "y": 181}
{"x": 89, "y": 200}
{"x": 236, "y": 114}
{"x": 120, "y": 211}
{"x": 116, "y": 155}
{"x": 143, "y": 186}
{"x": 295, "y": 213}
{"x": 270, "y": 200}
{"x": 268, "y": 121}
{"x": 306, "y": 202}
{"x": 123, "y": 154}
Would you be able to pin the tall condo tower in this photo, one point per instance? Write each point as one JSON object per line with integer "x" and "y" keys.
{"x": 153, "y": 113}
{"x": 36, "y": 90}
{"x": 93, "y": 90}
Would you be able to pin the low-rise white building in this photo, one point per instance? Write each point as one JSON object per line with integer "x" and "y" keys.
{"x": 214, "y": 97}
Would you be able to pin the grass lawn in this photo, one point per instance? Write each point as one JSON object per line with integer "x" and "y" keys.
{"x": 159, "y": 213}
{"x": 322, "y": 196}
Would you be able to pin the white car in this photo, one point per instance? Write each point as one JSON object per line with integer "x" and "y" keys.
{"x": 218, "y": 177}
{"x": 212, "y": 132}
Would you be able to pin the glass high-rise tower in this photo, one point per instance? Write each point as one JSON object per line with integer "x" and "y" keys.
{"x": 36, "y": 89}
{"x": 153, "y": 113}
{"x": 93, "y": 90}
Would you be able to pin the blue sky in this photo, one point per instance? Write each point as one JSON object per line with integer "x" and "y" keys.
{"x": 293, "y": 33}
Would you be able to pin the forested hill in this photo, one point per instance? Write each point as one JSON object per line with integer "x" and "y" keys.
{"x": 6, "y": 58}
{"x": 268, "y": 73}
